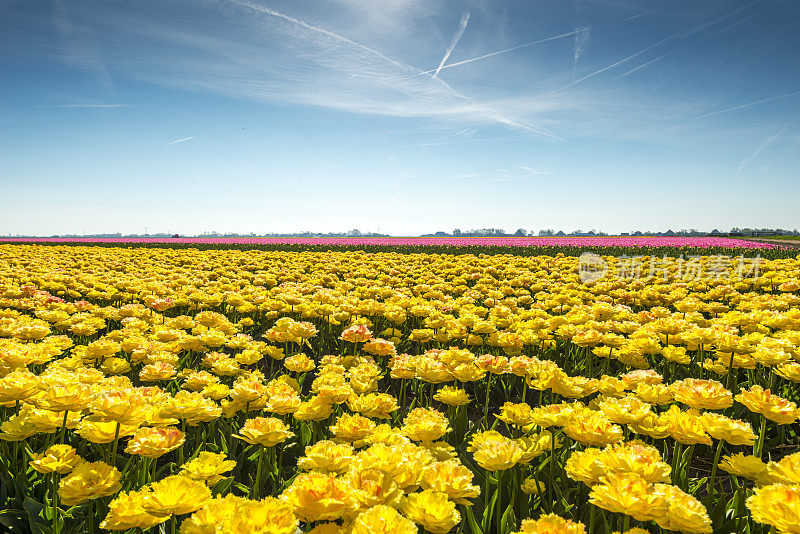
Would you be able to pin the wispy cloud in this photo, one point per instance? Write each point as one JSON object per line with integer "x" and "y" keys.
{"x": 304, "y": 58}
{"x": 175, "y": 142}
{"x": 323, "y": 31}
{"x": 80, "y": 47}
{"x": 259, "y": 54}
{"x": 750, "y": 104}
{"x": 766, "y": 143}
{"x": 455, "y": 103}
{"x": 453, "y": 42}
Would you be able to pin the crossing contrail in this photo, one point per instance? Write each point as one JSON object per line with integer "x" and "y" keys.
{"x": 457, "y": 37}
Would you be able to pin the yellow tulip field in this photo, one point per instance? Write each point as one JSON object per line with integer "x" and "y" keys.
{"x": 221, "y": 390}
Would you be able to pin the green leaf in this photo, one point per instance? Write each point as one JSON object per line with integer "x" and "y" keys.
{"x": 473, "y": 525}
{"x": 223, "y": 442}
{"x": 305, "y": 434}
{"x": 486, "y": 522}
{"x": 509, "y": 520}
{"x": 36, "y": 520}
{"x": 14, "y": 520}
{"x": 241, "y": 487}
{"x": 693, "y": 487}
{"x": 165, "y": 469}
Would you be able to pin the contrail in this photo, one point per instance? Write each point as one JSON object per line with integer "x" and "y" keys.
{"x": 737, "y": 23}
{"x": 490, "y": 113}
{"x": 464, "y": 62}
{"x": 749, "y": 104}
{"x": 643, "y": 65}
{"x": 721, "y": 18}
{"x": 681, "y": 35}
{"x": 457, "y": 37}
{"x": 620, "y": 62}
{"x": 509, "y": 122}
{"x": 179, "y": 140}
{"x": 771, "y": 139}
{"x": 632, "y": 17}
{"x": 581, "y": 39}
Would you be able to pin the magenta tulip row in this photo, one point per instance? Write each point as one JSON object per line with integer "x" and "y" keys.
{"x": 702, "y": 242}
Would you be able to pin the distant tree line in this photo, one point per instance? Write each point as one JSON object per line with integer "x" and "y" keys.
{"x": 480, "y": 232}
{"x": 549, "y": 232}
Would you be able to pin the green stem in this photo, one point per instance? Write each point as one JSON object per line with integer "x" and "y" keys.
{"x": 486, "y": 515}
{"x": 259, "y": 473}
{"x": 499, "y": 501}
{"x": 730, "y": 373}
{"x": 710, "y": 484}
{"x": 114, "y": 446}
{"x": 279, "y": 466}
{"x": 64, "y": 428}
{"x": 551, "y": 467}
{"x": 685, "y": 468}
{"x": 589, "y": 362}
{"x": 676, "y": 454}
{"x": 90, "y": 519}
{"x": 56, "y": 510}
{"x": 180, "y": 449}
{"x": 486, "y": 405}
{"x": 761, "y": 437}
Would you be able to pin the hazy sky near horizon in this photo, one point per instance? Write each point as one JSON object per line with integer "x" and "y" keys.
{"x": 403, "y": 116}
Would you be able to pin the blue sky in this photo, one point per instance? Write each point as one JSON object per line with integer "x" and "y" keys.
{"x": 403, "y": 116}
